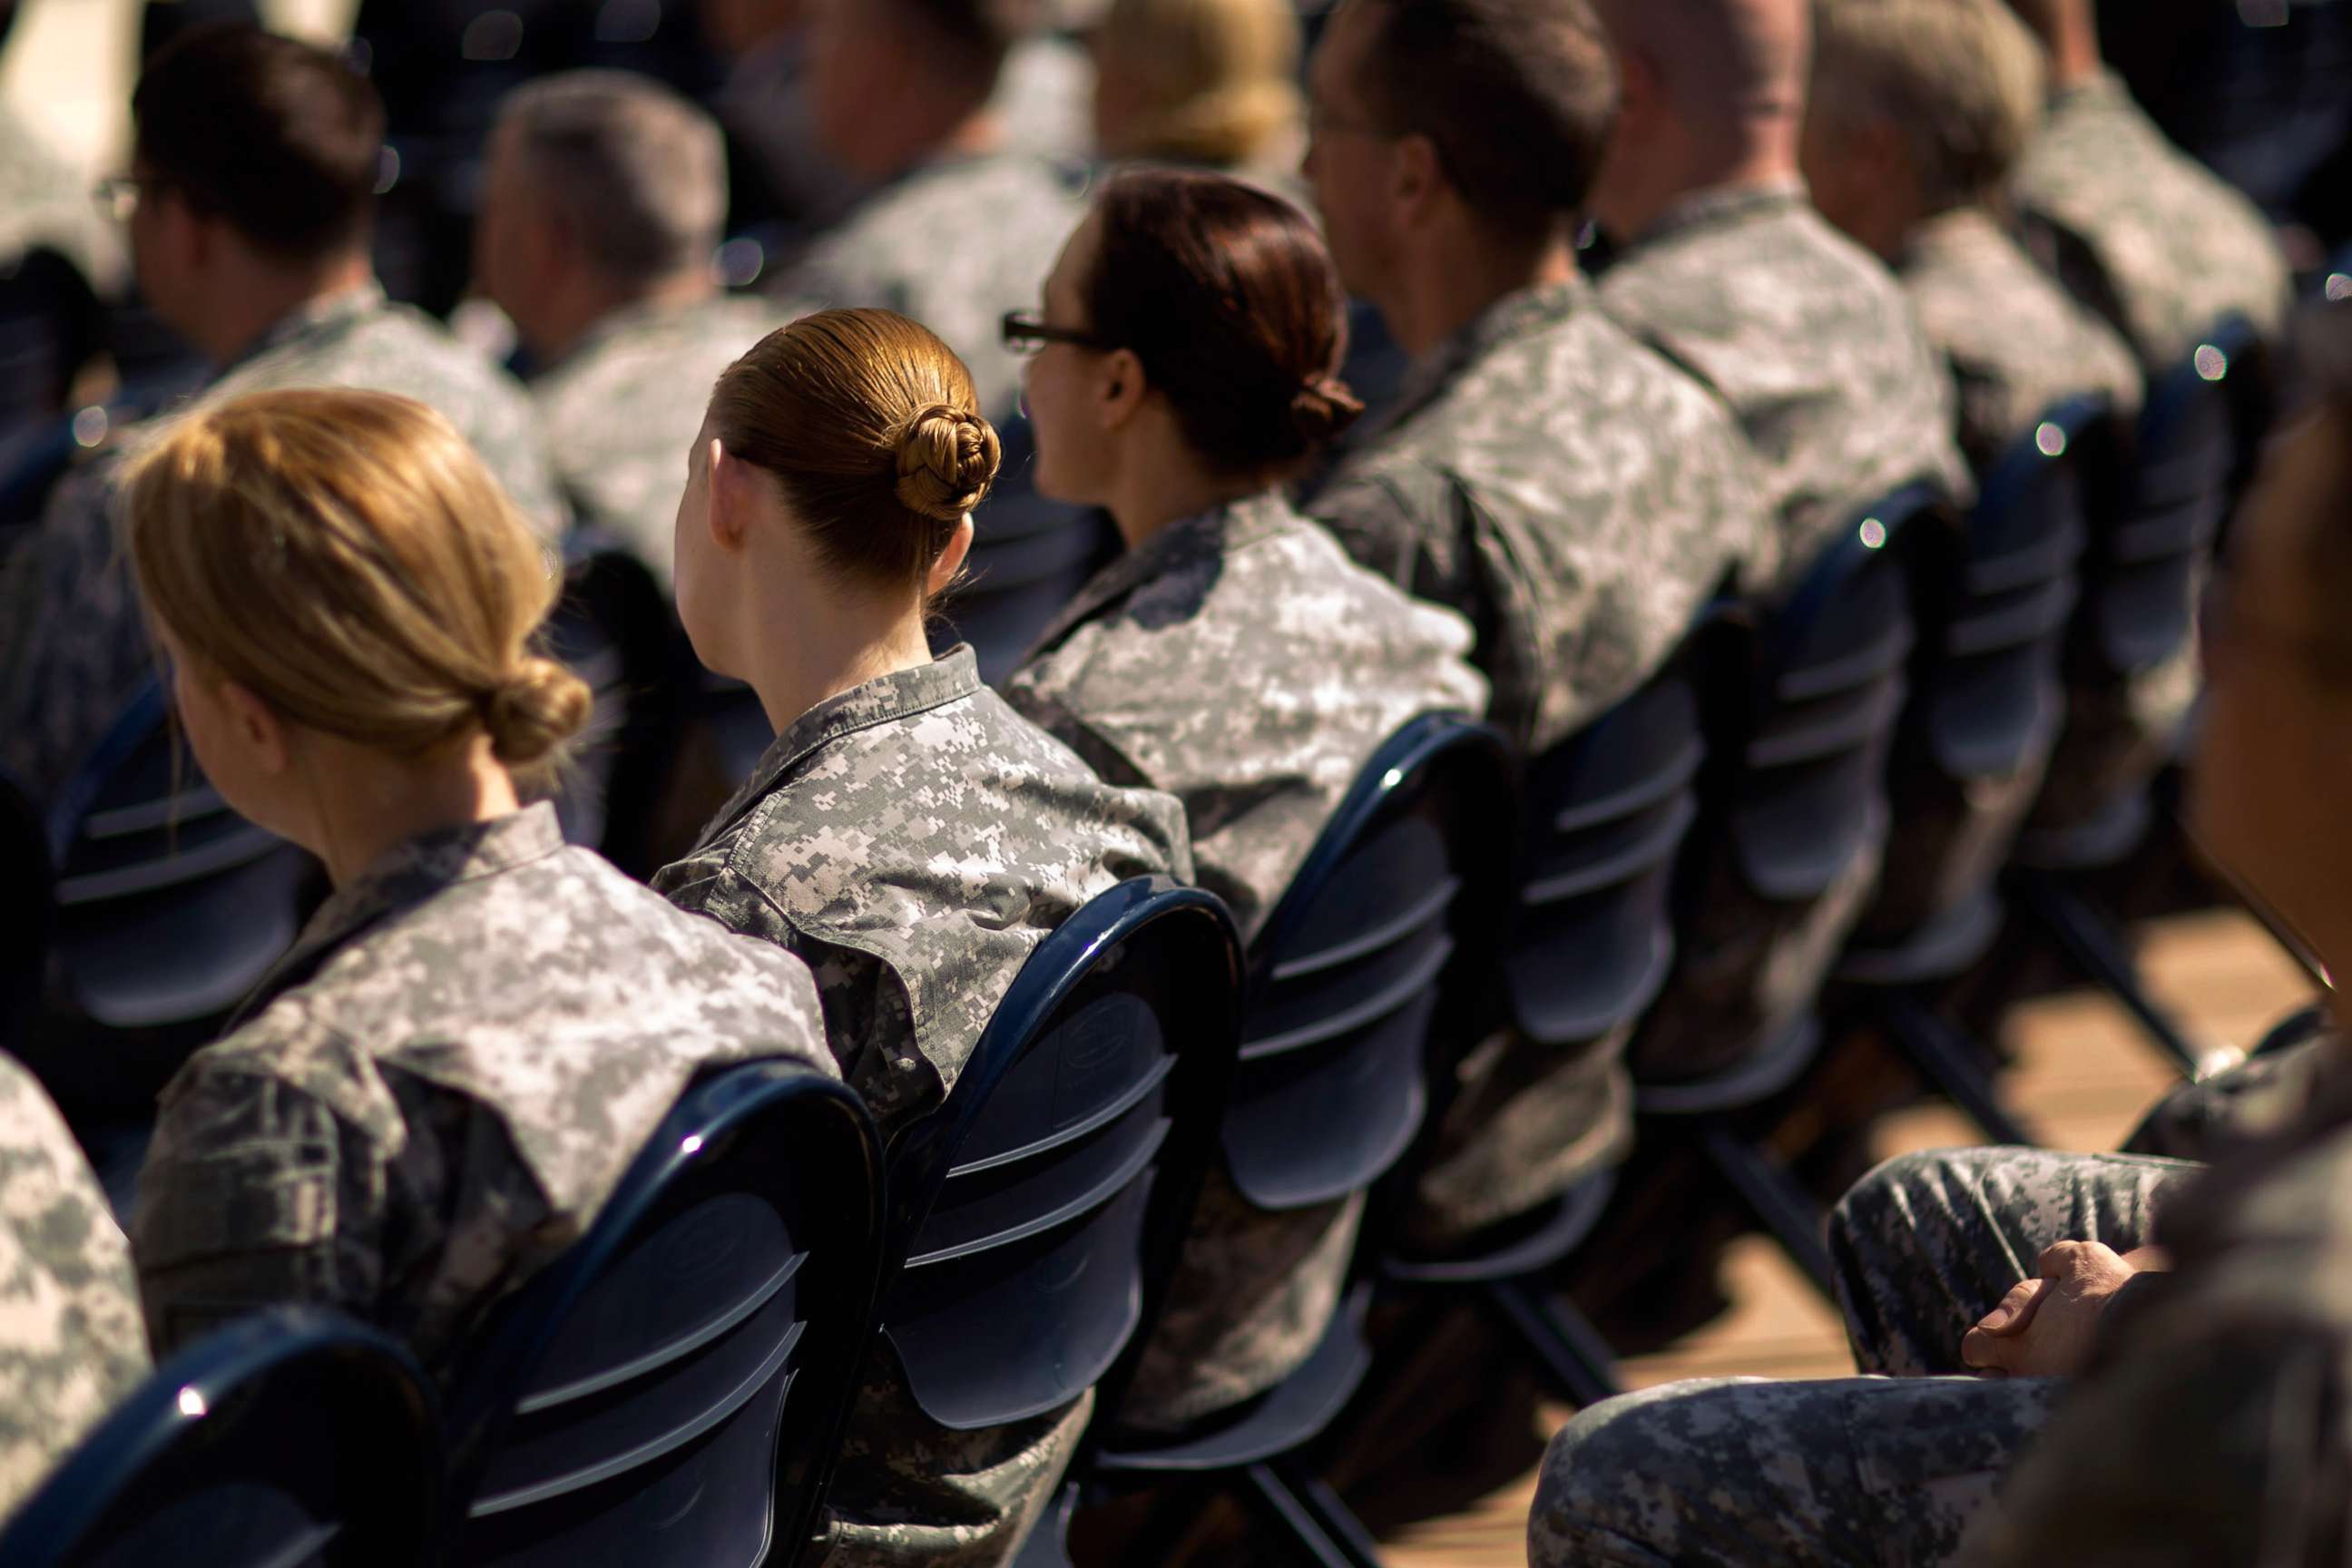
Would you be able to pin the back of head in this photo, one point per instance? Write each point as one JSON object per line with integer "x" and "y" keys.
{"x": 870, "y": 427}
{"x": 279, "y": 138}
{"x": 634, "y": 170}
{"x": 346, "y": 557}
{"x": 1517, "y": 97}
{"x": 1960, "y": 81}
{"x": 1213, "y": 81}
{"x": 1722, "y": 65}
{"x": 1228, "y": 298}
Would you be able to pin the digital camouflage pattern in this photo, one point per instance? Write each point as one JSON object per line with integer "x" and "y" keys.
{"x": 2211, "y": 1426}
{"x": 435, "y": 1089}
{"x": 1808, "y": 339}
{"x": 1564, "y": 488}
{"x": 71, "y": 1343}
{"x": 2016, "y": 345}
{"x": 1736, "y": 1473}
{"x": 73, "y": 649}
{"x": 1241, "y": 662}
{"x": 621, "y": 409}
{"x": 914, "y": 839}
{"x": 2140, "y": 232}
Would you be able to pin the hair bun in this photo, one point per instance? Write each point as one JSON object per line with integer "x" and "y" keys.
{"x": 534, "y": 710}
{"x": 947, "y": 459}
{"x": 1323, "y": 408}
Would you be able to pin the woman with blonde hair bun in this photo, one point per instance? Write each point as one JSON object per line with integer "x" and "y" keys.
{"x": 1207, "y": 82}
{"x": 907, "y": 834}
{"x": 437, "y": 1087}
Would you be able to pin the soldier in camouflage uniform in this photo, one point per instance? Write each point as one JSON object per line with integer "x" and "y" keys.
{"x": 602, "y": 206}
{"x": 285, "y": 299}
{"x": 907, "y": 834}
{"x": 1236, "y": 658}
{"x": 71, "y": 1344}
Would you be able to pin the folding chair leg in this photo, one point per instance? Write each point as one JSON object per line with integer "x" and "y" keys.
{"x": 2095, "y": 945}
{"x": 1578, "y": 1361}
{"x": 1775, "y": 1197}
{"x": 1953, "y": 1065}
{"x": 1321, "y": 1527}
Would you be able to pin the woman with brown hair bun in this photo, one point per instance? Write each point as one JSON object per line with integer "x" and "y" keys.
{"x": 1185, "y": 367}
{"x": 907, "y": 834}
{"x": 439, "y": 1085}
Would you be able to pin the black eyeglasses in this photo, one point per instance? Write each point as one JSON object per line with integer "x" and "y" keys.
{"x": 1025, "y": 334}
{"x": 118, "y": 195}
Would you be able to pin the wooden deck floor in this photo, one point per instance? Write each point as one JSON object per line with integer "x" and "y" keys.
{"x": 2084, "y": 1074}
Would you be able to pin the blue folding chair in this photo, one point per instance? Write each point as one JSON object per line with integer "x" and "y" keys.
{"x": 672, "y": 1389}
{"x": 1995, "y": 602}
{"x": 1355, "y": 985}
{"x": 2141, "y": 579}
{"x": 24, "y": 914}
{"x": 165, "y": 910}
{"x": 291, "y": 1438}
{"x": 1029, "y": 557}
{"x": 1785, "y": 863}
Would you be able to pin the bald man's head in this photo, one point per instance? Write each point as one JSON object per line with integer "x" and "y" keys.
{"x": 1718, "y": 60}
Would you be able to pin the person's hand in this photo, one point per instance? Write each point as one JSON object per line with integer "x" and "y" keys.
{"x": 2044, "y": 1326}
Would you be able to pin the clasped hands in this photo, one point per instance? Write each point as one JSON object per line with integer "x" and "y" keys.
{"x": 2045, "y": 1326}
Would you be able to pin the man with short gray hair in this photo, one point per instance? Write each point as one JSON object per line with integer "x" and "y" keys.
{"x": 601, "y": 213}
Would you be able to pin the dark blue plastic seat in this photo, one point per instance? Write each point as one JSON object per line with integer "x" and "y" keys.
{"x": 672, "y": 1389}
{"x": 166, "y": 908}
{"x": 1036, "y": 1214}
{"x": 1029, "y": 558}
{"x": 294, "y": 1437}
{"x": 23, "y": 913}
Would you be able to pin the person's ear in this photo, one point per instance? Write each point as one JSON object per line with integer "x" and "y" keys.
{"x": 950, "y": 560}
{"x": 1121, "y": 386}
{"x": 255, "y": 727}
{"x": 1637, "y": 87}
{"x": 732, "y": 499}
{"x": 1416, "y": 177}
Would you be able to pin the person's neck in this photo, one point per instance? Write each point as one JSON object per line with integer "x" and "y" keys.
{"x": 1751, "y": 158}
{"x": 2074, "y": 52}
{"x": 565, "y": 316}
{"x": 368, "y": 808}
{"x": 962, "y": 127}
{"x": 238, "y": 315}
{"x": 1458, "y": 276}
{"x": 1162, "y": 483}
{"x": 842, "y": 642}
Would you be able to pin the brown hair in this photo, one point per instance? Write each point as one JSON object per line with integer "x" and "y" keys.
{"x": 347, "y": 558}
{"x": 1227, "y": 296}
{"x": 1960, "y": 81}
{"x": 870, "y": 425}
{"x": 1518, "y": 96}
{"x": 279, "y": 138}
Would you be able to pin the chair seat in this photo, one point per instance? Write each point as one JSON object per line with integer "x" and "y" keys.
{"x": 1943, "y": 948}
{"x": 1756, "y": 1076}
{"x": 1535, "y": 1244}
{"x": 1293, "y": 1412}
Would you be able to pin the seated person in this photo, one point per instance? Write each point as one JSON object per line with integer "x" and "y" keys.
{"x": 909, "y": 834}
{"x": 1918, "y": 111}
{"x": 72, "y": 1345}
{"x": 253, "y": 172}
{"x": 2136, "y": 229}
{"x": 1185, "y": 364}
{"x": 437, "y": 1088}
{"x": 2206, "y": 1433}
{"x": 600, "y": 210}
{"x": 1723, "y": 264}
{"x": 1206, "y": 82}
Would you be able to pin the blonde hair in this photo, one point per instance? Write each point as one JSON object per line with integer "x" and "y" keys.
{"x": 1218, "y": 77}
{"x": 1961, "y": 81}
{"x": 347, "y": 558}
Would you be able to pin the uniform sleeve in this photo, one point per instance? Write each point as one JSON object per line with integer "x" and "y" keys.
{"x": 1370, "y": 518}
{"x": 254, "y": 1195}
{"x": 1050, "y": 713}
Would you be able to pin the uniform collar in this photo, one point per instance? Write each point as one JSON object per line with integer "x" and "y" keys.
{"x": 1718, "y": 208}
{"x": 404, "y": 876}
{"x": 951, "y": 678}
{"x": 326, "y": 315}
{"x": 1208, "y": 535}
{"x": 1520, "y": 313}
{"x": 627, "y": 319}
{"x": 2102, "y": 87}
{"x": 1957, "y": 230}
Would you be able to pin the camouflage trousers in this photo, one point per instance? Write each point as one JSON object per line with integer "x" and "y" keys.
{"x": 1526, "y": 1121}
{"x": 910, "y": 1493}
{"x": 1856, "y": 1472}
{"x": 1926, "y": 1245}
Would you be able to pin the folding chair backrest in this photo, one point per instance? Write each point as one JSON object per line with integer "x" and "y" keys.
{"x": 292, "y": 1439}
{"x": 672, "y": 1388}
{"x": 617, "y": 631}
{"x": 1346, "y": 981}
{"x": 1037, "y": 1211}
{"x": 23, "y": 913}
{"x": 1030, "y": 556}
{"x": 167, "y": 907}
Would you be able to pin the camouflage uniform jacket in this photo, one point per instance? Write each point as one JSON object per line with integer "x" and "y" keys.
{"x": 2139, "y": 231}
{"x": 1808, "y": 339}
{"x": 914, "y": 839}
{"x": 1563, "y": 487}
{"x": 71, "y": 1344}
{"x": 437, "y": 1087}
{"x": 2015, "y": 342}
{"x": 72, "y": 648}
{"x": 1240, "y": 662}
{"x": 2211, "y": 1426}
{"x": 621, "y": 409}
